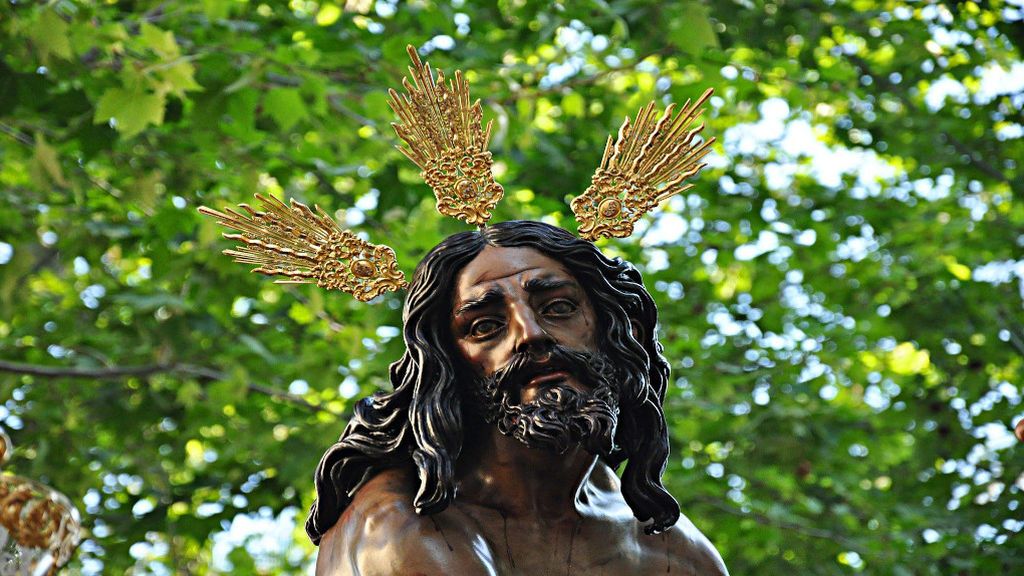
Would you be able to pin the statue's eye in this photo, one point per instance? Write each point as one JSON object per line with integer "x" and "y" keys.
{"x": 560, "y": 308}
{"x": 484, "y": 327}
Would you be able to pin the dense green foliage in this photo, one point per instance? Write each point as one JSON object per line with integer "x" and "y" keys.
{"x": 840, "y": 298}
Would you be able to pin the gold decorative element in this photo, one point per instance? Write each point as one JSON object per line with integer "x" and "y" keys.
{"x": 5, "y": 447}
{"x": 39, "y": 527}
{"x": 42, "y": 523}
{"x": 446, "y": 140}
{"x": 647, "y": 164}
{"x": 309, "y": 248}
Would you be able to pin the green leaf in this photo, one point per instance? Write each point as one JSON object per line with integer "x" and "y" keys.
{"x": 189, "y": 393}
{"x": 46, "y": 166}
{"x": 217, "y": 9}
{"x": 573, "y": 104}
{"x": 376, "y": 104}
{"x": 160, "y": 41}
{"x": 257, "y": 347}
{"x": 179, "y": 78}
{"x": 300, "y": 313}
{"x": 328, "y": 14}
{"x": 229, "y": 391}
{"x": 695, "y": 32}
{"x": 285, "y": 106}
{"x": 50, "y": 34}
{"x": 130, "y": 110}
{"x": 242, "y": 111}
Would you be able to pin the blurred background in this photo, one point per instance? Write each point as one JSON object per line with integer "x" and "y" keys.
{"x": 841, "y": 293}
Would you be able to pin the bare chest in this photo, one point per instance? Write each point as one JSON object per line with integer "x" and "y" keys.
{"x": 510, "y": 547}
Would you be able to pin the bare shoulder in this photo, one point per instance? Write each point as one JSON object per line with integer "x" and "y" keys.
{"x": 689, "y": 547}
{"x": 685, "y": 547}
{"x": 381, "y": 534}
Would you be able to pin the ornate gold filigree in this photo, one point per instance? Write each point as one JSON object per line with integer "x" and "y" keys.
{"x": 446, "y": 140}
{"x": 43, "y": 524}
{"x": 40, "y": 520}
{"x": 5, "y": 446}
{"x": 309, "y": 248}
{"x": 647, "y": 164}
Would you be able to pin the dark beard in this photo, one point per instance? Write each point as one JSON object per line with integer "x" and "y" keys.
{"x": 561, "y": 416}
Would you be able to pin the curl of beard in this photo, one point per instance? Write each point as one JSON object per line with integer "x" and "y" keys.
{"x": 561, "y": 416}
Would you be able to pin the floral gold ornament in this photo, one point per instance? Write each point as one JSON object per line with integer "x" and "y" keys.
{"x": 445, "y": 138}
{"x": 648, "y": 163}
{"x": 39, "y": 528}
{"x": 308, "y": 247}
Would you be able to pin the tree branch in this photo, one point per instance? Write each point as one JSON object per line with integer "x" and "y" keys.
{"x": 118, "y": 372}
{"x": 18, "y": 135}
{"x": 335, "y": 102}
{"x": 322, "y": 314}
{"x": 974, "y": 158}
{"x": 97, "y": 373}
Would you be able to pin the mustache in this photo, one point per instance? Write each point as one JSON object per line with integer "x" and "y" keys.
{"x": 591, "y": 368}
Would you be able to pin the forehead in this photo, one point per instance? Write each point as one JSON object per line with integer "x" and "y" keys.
{"x": 497, "y": 265}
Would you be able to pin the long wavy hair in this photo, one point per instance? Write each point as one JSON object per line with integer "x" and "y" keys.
{"x": 421, "y": 422}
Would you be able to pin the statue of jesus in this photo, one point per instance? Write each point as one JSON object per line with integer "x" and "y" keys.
{"x": 532, "y": 373}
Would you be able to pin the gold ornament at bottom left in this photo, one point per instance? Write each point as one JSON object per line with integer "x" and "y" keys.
{"x": 39, "y": 527}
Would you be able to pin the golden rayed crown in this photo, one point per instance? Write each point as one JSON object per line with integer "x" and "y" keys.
{"x": 308, "y": 247}
{"x": 648, "y": 163}
{"x": 651, "y": 160}
{"x": 446, "y": 140}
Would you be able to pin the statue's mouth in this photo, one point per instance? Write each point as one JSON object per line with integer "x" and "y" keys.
{"x": 548, "y": 378}
{"x": 526, "y": 376}
{"x": 538, "y": 374}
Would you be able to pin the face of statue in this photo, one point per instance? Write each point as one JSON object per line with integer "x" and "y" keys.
{"x": 528, "y": 331}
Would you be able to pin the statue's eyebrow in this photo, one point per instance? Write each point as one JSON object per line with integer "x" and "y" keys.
{"x": 489, "y": 298}
{"x": 547, "y": 283}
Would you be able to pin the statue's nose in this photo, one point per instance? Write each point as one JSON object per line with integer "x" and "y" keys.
{"x": 530, "y": 335}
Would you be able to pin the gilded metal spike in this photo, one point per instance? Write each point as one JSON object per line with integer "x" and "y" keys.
{"x": 444, "y": 136}
{"x": 649, "y": 163}
{"x": 308, "y": 247}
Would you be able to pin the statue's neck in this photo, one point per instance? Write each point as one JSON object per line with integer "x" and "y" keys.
{"x": 502, "y": 473}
